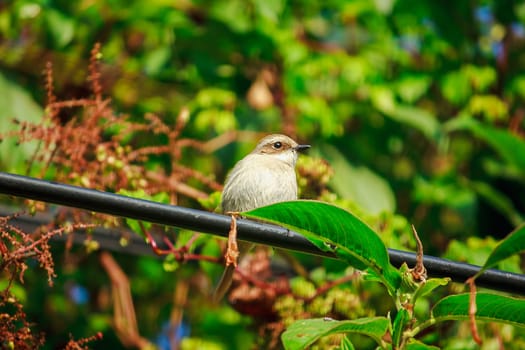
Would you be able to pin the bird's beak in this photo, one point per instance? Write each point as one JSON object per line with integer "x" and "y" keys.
{"x": 301, "y": 147}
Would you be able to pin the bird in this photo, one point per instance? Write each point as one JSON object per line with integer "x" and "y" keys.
{"x": 263, "y": 177}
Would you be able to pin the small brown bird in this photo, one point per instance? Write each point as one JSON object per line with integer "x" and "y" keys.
{"x": 263, "y": 177}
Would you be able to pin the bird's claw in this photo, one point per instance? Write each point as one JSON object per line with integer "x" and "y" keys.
{"x": 232, "y": 251}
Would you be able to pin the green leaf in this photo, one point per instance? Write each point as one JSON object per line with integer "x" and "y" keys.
{"x": 310, "y": 108}
{"x": 233, "y": 14}
{"x": 490, "y": 307}
{"x": 402, "y": 318}
{"x": 518, "y": 85}
{"x": 411, "y": 87}
{"x": 481, "y": 78}
{"x": 212, "y": 202}
{"x": 170, "y": 264}
{"x": 334, "y": 229}
{"x": 155, "y": 60}
{"x": 510, "y": 147}
{"x": 429, "y": 285}
{"x": 514, "y": 243}
{"x": 418, "y": 118}
{"x": 443, "y": 192}
{"x": 16, "y": 102}
{"x": 456, "y": 88}
{"x": 491, "y": 107}
{"x": 60, "y": 27}
{"x": 417, "y": 345}
{"x": 270, "y": 9}
{"x": 383, "y": 99}
{"x": 215, "y": 97}
{"x": 14, "y": 289}
{"x": 346, "y": 344}
{"x": 367, "y": 189}
{"x": 304, "y": 333}
{"x": 137, "y": 225}
{"x": 219, "y": 120}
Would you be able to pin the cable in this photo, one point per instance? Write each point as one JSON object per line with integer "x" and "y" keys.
{"x": 217, "y": 224}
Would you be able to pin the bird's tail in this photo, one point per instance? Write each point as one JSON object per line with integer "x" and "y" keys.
{"x": 224, "y": 283}
{"x": 227, "y": 276}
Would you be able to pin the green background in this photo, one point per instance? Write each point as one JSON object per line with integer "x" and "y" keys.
{"x": 416, "y": 107}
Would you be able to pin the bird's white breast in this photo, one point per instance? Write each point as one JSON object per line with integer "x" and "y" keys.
{"x": 259, "y": 180}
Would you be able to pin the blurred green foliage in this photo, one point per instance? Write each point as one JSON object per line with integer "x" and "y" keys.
{"x": 416, "y": 105}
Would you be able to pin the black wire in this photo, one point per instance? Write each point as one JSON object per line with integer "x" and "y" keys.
{"x": 107, "y": 238}
{"x": 217, "y": 224}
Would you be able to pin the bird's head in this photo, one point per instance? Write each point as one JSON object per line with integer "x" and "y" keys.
{"x": 279, "y": 147}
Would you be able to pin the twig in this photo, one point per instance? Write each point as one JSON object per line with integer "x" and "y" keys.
{"x": 180, "y": 254}
{"x": 327, "y": 286}
{"x": 472, "y": 311}
{"x": 124, "y": 313}
{"x": 419, "y": 272}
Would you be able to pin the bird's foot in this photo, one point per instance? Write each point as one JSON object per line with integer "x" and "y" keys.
{"x": 232, "y": 250}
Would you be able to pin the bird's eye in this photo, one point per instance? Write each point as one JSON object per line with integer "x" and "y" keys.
{"x": 277, "y": 145}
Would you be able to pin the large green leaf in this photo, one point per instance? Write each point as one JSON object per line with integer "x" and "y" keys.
{"x": 490, "y": 307}
{"x": 331, "y": 228}
{"x": 304, "y": 333}
{"x": 512, "y": 244}
{"x": 509, "y": 146}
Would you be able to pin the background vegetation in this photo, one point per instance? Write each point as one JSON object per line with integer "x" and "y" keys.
{"x": 414, "y": 110}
